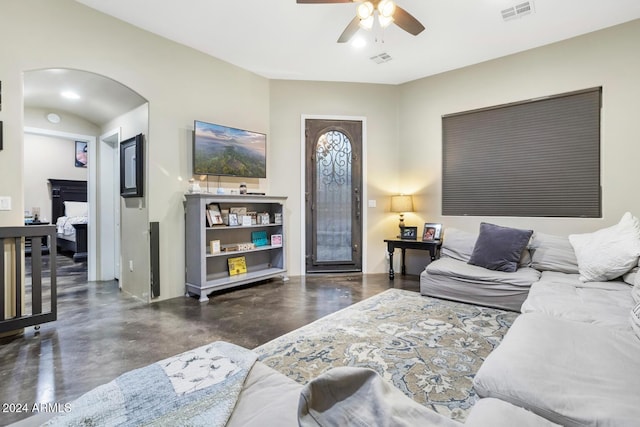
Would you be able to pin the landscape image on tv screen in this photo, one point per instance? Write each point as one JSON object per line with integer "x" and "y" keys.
{"x": 221, "y": 150}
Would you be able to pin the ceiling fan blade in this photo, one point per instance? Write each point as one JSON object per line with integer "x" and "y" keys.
{"x": 407, "y": 22}
{"x": 322, "y": 1}
{"x": 350, "y": 31}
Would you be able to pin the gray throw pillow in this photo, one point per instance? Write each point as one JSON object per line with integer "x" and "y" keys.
{"x": 499, "y": 248}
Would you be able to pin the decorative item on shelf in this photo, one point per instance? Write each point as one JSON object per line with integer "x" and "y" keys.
{"x": 276, "y": 240}
{"x": 194, "y": 186}
{"x": 243, "y": 188}
{"x": 254, "y": 217}
{"x": 214, "y": 246}
{"x": 233, "y": 219}
{"x": 277, "y": 218}
{"x": 36, "y": 214}
{"x": 401, "y": 204}
{"x": 246, "y": 246}
{"x": 409, "y": 233}
{"x": 225, "y": 216}
{"x": 214, "y": 216}
{"x": 264, "y": 218}
{"x": 432, "y": 231}
{"x": 246, "y": 220}
{"x": 240, "y": 211}
{"x": 259, "y": 238}
{"x": 237, "y": 265}
{"x": 230, "y": 248}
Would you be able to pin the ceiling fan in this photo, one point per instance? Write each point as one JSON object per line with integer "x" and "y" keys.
{"x": 386, "y": 10}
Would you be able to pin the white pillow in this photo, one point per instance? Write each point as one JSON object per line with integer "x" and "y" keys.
{"x": 608, "y": 253}
{"x": 635, "y": 320}
{"x": 76, "y": 209}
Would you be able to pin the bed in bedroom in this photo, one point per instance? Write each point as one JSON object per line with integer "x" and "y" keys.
{"x": 69, "y": 213}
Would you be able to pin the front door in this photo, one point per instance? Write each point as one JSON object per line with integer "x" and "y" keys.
{"x": 333, "y": 195}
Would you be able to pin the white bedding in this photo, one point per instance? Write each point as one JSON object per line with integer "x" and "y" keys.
{"x": 64, "y": 226}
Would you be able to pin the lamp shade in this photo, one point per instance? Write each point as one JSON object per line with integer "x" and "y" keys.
{"x": 401, "y": 203}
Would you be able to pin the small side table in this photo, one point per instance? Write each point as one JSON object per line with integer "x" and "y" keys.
{"x": 27, "y": 241}
{"x": 433, "y": 246}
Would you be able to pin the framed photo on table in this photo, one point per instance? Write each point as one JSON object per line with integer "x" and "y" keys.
{"x": 408, "y": 233}
{"x": 432, "y": 231}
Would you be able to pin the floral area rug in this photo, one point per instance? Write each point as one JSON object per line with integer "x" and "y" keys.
{"x": 428, "y": 348}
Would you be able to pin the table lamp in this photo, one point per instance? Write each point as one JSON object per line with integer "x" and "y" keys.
{"x": 401, "y": 204}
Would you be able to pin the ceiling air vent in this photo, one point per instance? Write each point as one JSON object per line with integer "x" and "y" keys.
{"x": 517, "y": 10}
{"x": 381, "y": 58}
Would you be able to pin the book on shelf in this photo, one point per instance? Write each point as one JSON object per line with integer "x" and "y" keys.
{"x": 237, "y": 265}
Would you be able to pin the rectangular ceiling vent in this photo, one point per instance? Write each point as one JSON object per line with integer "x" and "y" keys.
{"x": 381, "y": 58}
{"x": 517, "y": 10}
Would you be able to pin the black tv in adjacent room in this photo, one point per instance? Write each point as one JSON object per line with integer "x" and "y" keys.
{"x": 223, "y": 150}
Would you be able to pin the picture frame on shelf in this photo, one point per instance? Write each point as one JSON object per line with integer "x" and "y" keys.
{"x": 276, "y": 240}
{"x": 233, "y": 219}
{"x": 409, "y": 233}
{"x": 214, "y": 246}
{"x": 432, "y": 231}
{"x": 214, "y": 213}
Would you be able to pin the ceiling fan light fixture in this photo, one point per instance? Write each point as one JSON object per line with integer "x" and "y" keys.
{"x": 386, "y": 9}
{"x": 367, "y": 23}
{"x": 385, "y": 21}
{"x": 365, "y": 10}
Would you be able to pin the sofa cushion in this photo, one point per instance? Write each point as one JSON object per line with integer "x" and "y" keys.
{"x": 498, "y": 413}
{"x": 570, "y": 373}
{"x": 552, "y": 253}
{"x": 608, "y": 253}
{"x": 564, "y": 296}
{"x": 635, "y": 320}
{"x": 458, "y": 244}
{"x": 523, "y": 277}
{"x": 635, "y": 291}
{"x": 499, "y": 248}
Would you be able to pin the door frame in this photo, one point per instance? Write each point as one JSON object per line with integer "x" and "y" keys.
{"x": 365, "y": 192}
{"x": 92, "y": 237}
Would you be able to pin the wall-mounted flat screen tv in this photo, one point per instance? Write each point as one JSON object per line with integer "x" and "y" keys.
{"x": 222, "y": 150}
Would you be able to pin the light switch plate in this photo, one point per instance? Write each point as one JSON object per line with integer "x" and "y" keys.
{"x": 372, "y": 203}
{"x": 5, "y": 203}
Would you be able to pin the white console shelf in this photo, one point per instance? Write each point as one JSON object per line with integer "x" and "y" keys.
{"x": 207, "y": 272}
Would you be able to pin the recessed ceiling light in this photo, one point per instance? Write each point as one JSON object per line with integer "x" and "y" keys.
{"x": 70, "y": 94}
{"x": 53, "y": 118}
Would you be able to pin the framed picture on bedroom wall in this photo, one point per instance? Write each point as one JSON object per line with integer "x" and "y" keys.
{"x": 81, "y": 154}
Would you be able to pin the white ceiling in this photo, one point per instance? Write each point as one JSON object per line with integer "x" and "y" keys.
{"x": 280, "y": 39}
{"x": 100, "y": 99}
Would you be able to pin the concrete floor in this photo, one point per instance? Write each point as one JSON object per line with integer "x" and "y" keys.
{"x": 101, "y": 332}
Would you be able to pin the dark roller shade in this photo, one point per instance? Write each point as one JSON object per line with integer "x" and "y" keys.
{"x": 538, "y": 158}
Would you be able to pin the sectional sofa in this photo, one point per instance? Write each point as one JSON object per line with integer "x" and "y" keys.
{"x": 573, "y": 355}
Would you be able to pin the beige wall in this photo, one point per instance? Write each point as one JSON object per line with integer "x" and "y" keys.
{"x": 378, "y": 105}
{"x": 608, "y": 58}
{"x": 403, "y": 135}
{"x": 179, "y": 83}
